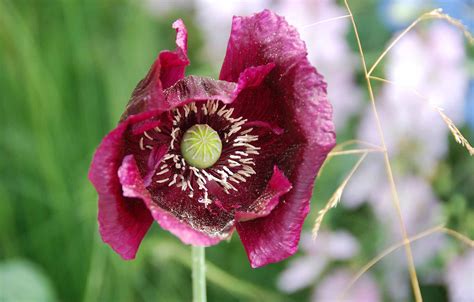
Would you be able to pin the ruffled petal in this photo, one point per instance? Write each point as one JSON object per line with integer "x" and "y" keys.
{"x": 154, "y": 159}
{"x": 260, "y": 39}
{"x": 260, "y": 249}
{"x": 263, "y": 205}
{"x": 293, "y": 97}
{"x": 133, "y": 187}
{"x": 252, "y": 77}
{"x": 173, "y": 63}
{"x": 123, "y": 222}
{"x": 196, "y": 88}
{"x": 148, "y": 95}
{"x": 167, "y": 69}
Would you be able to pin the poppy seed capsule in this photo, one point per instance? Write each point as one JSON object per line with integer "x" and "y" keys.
{"x": 201, "y": 146}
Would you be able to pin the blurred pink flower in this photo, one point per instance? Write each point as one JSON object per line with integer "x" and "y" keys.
{"x": 316, "y": 254}
{"x": 420, "y": 210}
{"x": 460, "y": 278}
{"x": 331, "y": 287}
{"x": 434, "y": 64}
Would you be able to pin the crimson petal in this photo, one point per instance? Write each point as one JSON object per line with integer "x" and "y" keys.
{"x": 196, "y": 88}
{"x": 167, "y": 69}
{"x": 293, "y": 96}
{"x": 122, "y": 222}
{"x": 134, "y": 187}
{"x": 173, "y": 63}
{"x": 268, "y": 200}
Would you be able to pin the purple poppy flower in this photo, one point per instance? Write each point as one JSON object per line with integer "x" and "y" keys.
{"x": 203, "y": 157}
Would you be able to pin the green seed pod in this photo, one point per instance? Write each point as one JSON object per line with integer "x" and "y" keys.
{"x": 201, "y": 146}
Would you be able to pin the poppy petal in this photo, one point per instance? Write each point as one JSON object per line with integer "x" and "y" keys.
{"x": 293, "y": 96}
{"x": 122, "y": 222}
{"x": 265, "y": 203}
{"x": 133, "y": 187}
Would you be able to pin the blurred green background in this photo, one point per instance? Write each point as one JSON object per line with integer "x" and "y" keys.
{"x": 67, "y": 69}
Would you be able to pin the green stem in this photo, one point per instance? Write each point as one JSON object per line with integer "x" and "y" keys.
{"x": 199, "y": 274}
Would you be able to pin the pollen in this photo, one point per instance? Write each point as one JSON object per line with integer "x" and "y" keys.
{"x": 201, "y": 146}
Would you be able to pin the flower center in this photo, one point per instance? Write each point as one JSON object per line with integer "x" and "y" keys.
{"x": 201, "y": 146}
{"x": 201, "y": 155}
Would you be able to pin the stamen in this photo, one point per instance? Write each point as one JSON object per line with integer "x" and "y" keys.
{"x": 221, "y": 111}
{"x": 193, "y": 107}
{"x": 186, "y": 110}
{"x": 249, "y": 161}
{"x": 168, "y": 156}
{"x": 228, "y": 170}
{"x": 241, "y": 153}
{"x": 173, "y": 181}
{"x": 209, "y": 176}
{"x": 215, "y": 106}
{"x": 229, "y": 113}
{"x": 233, "y": 163}
{"x": 253, "y": 152}
{"x": 206, "y": 201}
{"x": 162, "y": 172}
{"x": 239, "y": 177}
{"x": 234, "y": 180}
{"x": 189, "y": 185}
{"x": 147, "y": 135}
{"x": 249, "y": 170}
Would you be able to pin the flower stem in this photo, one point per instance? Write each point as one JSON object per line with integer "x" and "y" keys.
{"x": 199, "y": 274}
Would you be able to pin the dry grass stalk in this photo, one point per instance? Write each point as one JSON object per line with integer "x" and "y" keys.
{"x": 339, "y": 150}
{"x": 388, "y": 167}
{"x": 391, "y": 249}
{"x": 342, "y": 145}
{"x": 325, "y": 21}
{"x": 460, "y": 139}
{"x": 434, "y": 14}
{"x": 354, "y": 151}
{"x": 459, "y": 236}
{"x": 455, "y": 131}
{"x": 335, "y": 198}
{"x": 438, "y": 14}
